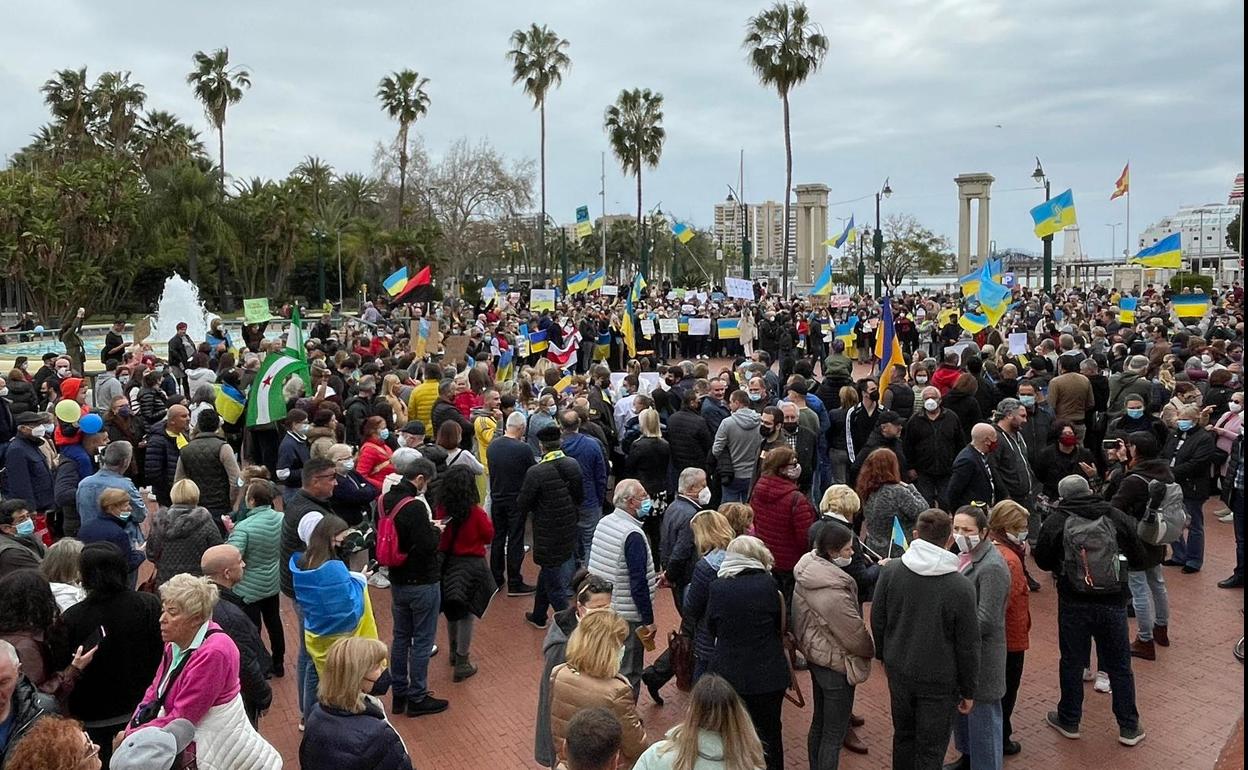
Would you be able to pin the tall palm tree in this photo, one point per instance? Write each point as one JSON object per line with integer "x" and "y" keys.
{"x": 117, "y": 103}
{"x": 634, "y": 125}
{"x": 403, "y": 98}
{"x": 358, "y": 193}
{"x": 188, "y": 205}
{"x": 68, "y": 96}
{"x": 785, "y": 47}
{"x": 162, "y": 140}
{"x": 218, "y": 86}
{"x": 318, "y": 175}
{"x": 538, "y": 61}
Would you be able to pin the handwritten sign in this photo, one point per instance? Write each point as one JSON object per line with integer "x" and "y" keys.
{"x": 1018, "y": 343}
{"x": 455, "y": 348}
{"x": 256, "y": 310}
{"x": 739, "y": 288}
{"x": 609, "y": 290}
{"x": 669, "y": 325}
{"x": 699, "y": 327}
{"x": 647, "y": 327}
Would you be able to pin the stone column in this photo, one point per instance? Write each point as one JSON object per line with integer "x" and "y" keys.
{"x": 983, "y": 242}
{"x": 964, "y": 235}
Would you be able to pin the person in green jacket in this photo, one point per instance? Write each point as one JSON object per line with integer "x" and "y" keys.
{"x": 258, "y": 539}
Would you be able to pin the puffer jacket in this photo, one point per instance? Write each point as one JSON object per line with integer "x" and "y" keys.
{"x": 1018, "y": 605}
{"x": 160, "y": 463}
{"x": 554, "y": 652}
{"x": 339, "y": 740}
{"x": 29, "y": 706}
{"x": 690, "y": 439}
{"x": 22, "y": 398}
{"x": 552, "y": 493}
{"x": 782, "y": 516}
{"x": 177, "y": 540}
{"x": 826, "y": 619}
{"x": 571, "y": 692}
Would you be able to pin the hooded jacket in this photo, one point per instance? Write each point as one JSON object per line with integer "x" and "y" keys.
{"x": 826, "y": 619}
{"x": 782, "y": 516}
{"x": 662, "y": 755}
{"x": 1126, "y": 384}
{"x": 554, "y": 652}
{"x": 177, "y": 540}
{"x": 1131, "y": 497}
{"x": 738, "y": 439}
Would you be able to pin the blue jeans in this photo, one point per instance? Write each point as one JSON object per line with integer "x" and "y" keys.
{"x": 1152, "y": 604}
{"x": 978, "y": 735}
{"x": 1189, "y": 549}
{"x": 552, "y": 588}
{"x": 415, "y": 610}
{"x": 585, "y": 526}
{"x": 306, "y": 679}
{"x": 833, "y": 698}
{"x": 1078, "y": 624}
{"x": 736, "y": 491}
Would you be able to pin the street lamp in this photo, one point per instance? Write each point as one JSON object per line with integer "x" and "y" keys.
{"x": 1040, "y": 178}
{"x": 1113, "y": 239}
{"x": 878, "y": 240}
{"x": 744, "y": 226}
{"x": 320, "y": 236}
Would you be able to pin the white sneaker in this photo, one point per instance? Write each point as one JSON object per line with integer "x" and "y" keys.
{"x": 1229, "y": 517}
{"x": 378, "y": 580}
{"x": 1088, "y": 676}
{"x": 1102, "y": 682}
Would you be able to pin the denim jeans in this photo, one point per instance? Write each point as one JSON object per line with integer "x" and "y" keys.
{"x": 306, "y": 679}
{"x": 833, "y": 698}
{"x": 585, "y": 526}
{"x": 552, "y": 588}
{"x": 1189, "y": 549}
{"x": 1148, "y": 595}
{"x": 1078, "y": 624}
{"x": 736, "y": 491}
{"x": 978, "y": 735}
{"x": 415, "y": 610}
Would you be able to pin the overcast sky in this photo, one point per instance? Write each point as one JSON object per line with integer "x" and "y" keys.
{"x": 915, "y": 90}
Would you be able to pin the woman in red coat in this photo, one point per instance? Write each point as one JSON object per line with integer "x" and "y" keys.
{"x": 467, "y": 583}
{"x": 374, "y": 460}
{"x": 782, "y": 514}
{"x": 1007, "y": 526}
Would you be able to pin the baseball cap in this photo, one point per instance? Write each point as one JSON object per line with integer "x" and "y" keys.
{"x": 414, "y": 427}
{"x": 889, "y": 416}
{"x": 153, "y": 748}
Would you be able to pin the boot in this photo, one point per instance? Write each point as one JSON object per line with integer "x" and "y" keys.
{"x": 854, "y": 743}
{"x": 856, "y": 721}
{"x": 1161, "y": 635}
{"x": 463, "y": 668}
{"x": 1143, "y": 650}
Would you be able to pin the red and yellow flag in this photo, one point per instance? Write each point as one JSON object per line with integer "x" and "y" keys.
{"x": 1123, "y": 185}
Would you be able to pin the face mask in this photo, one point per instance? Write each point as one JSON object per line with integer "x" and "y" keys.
{"x": 62, "y": 373}
{"x": 1068, "y": 440}
{"x": 347, "y": 466}
{"x": 756, "y": 396}
{"x": 1235, "y": 407}
{"x": 966, "y": 543}
{"x": 26, "y": 528}
{"x": 551, "y": 410}
{"x": 39, "y": 431}
{"x": 1135, "y": 414}
{"x": 765, "y": 431}
{"x": 791, "y": 427}
{"x": 1027, "y": 400}
{"x": 1206, "y": 360}
{"x": 931, "y": 404}
{"x": 1186, "y": 425}
{"x": 921, "y": 379}
{"x": 124, "y": 411}
{"x": 382, "y": 685}
{"x": 383, "y": 434}
{"x": 124, "y": 516}
{"x": 704, "y": 496}
{"x": 842, "y": 561}
{"x": 793, "y": 472}
{"x": 4, "y": 391}
{"x": 1018, "y": 538}
{"x": 645, "y": 509}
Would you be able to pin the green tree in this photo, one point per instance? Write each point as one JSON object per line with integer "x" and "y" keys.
{"x": 188, "y": 208}
{"x": 1232, "y": 233}
{"x": 68, "y": 96}
{"x": 785, "y": 47}
{"x": 161, "y": 139}
{"x": 403, "y": 98}
{"x": 117, "y": 102}
{"x": 909, "y": 247}
{"x": 538, "y": 61}
{"x": 634, "y": 126}
{"x": 218, "y": 86}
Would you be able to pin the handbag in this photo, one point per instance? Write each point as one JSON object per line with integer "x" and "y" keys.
{"x": 793, "y": 694}
{"x": 186, "y": 759}
{"x": 680, "y": 653}
{"x": 857, "y": 670}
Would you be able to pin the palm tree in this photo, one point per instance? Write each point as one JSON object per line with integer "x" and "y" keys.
{"x": 402, "y": 95}
{"x": 217, "y": 86}
{"x": 162, "y": 140}
{"x": 785, "y": 48}
{"x": 188, "y": 205}
{"x": 634, "y": 127}
{"x": 318, "y": 175}
{"x": 69, "y": 98}
{"x": 538, "y": 61}
{"x": 117, "y": 103}
{"x": 358, "y": 193}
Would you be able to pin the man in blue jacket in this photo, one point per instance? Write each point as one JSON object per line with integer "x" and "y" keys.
{"x": 589, "y": 455}
{"x": 27, "y": 471}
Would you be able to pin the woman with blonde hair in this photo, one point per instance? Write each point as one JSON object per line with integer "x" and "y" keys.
{"x": 1007, "y": 527}
{"x": 712, "y": 532}
{"x": 60, "y": 568}
{"x": 716, "y": 734}
{"x": 591, "y": 678}
{"x": 348, "y": 729}
{"x": 740, "y": 517}
{"x": 197, "y": 680}
{"x": 649, "y": 456}
{"x": 841, "y": 504}
{"x": 390, "y": 394}
{"x": 181, "y": 533}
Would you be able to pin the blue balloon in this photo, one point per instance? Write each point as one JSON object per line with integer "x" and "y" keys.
{"x": 39, "y": 329}
{"x": 91, "y": 423}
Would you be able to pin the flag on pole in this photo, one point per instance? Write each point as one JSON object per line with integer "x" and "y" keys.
{"x": 579, "y": 282}
{"x": 296, "y": 349}
{"x": 683, "y": 232}
{"x": 639, "y": 286}
{"x": 1054, "y": 215}
{"x": 506, "y": 365}
{"x": 422, "y": 279}
{"x": 1166, "y": 253}
{"x": 1123, "y": 185}
{"x": 265, "y": 403}
{"x": 1126, "y": 309}
{"x": 899, "y": 535}
{"x": 848, "y": 235}
{"x": 991, "y": 293}
{"x": 396, "y": 282}
{"x": 596, "y": 280}
{"x": 887, "y": 346}
{"x": 845, "y": 331}
{"x": 823, "y": 284}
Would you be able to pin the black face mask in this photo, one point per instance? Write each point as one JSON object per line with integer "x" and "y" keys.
{"x": 791, "y": 427}
{"x": 382, "y": 685}
{"x": 765, "y": 431}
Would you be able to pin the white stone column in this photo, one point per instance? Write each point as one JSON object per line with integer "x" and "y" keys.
{"x": 983, "y": 241}
{"x": 964, "y": 235}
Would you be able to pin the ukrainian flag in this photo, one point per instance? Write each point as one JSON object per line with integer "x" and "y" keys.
{"x": 848, "y": 236}
{"x": 887, "y": 346}
{"x": 899, "y": 536}
{"x": 231, "y": 404}
{"x": 991, "y": 293}
{"x": 946, "y": 315}
{"x": 602, "y": 348}
{"x": 1190, "y": 305}
{"x": 1166, "y": 253}
{"x": 970, "y": 283}
{"x": 1054, "y": 215}
{"x": 506, "y": 365}
{"x": 729, "y": 328}
{"x": 397, "y": 281}
{"x": 538, "y": 341}
{"x": 683, "y": 232}
{"x": 564, "y": 384}
{"x": 823, "y": 284}
{"x": 579, "y": 282}
{"x": 628, "y": 327}
{"x": 994, "y": 313}
{"x": 845, "y": 331}
{"x": 973, "y": 322}
{"x": 1126, "y": 309}
{"x": 639, "y": 285}
{"x": 683, "y": 323}
{"x": 596, "y": 280}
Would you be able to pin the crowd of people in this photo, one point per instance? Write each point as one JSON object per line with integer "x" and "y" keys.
{"x": 805, "y": 506}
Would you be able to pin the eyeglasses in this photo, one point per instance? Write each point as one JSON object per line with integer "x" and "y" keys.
{"x": 92, "y": 750}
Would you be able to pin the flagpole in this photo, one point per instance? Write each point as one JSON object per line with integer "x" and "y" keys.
{"x": 1128, "y": 211}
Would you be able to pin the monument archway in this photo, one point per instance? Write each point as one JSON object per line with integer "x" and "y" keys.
{"x": 973, "y": 187}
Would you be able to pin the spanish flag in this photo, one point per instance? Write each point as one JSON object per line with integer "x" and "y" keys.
{"x": 1054, "y": 215}
{"x": 1123, "y": 185}
{"x": 1166, "y": 253}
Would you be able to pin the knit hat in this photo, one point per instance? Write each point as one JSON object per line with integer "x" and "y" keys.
{"x": 307, "y": 524}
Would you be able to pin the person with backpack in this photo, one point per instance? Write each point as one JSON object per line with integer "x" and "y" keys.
{"x": 1083, "y": 543}
{"x": 1145, "y": 578}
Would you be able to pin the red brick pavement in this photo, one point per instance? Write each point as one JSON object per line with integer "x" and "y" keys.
{"x": 1190, "y": 698}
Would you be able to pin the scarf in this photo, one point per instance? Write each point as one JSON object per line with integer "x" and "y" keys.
{"x": 734, "y": 564}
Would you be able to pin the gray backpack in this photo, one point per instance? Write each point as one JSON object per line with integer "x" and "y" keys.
{"x": 1164, "y": 522}
{"x": 1091, "y": 563}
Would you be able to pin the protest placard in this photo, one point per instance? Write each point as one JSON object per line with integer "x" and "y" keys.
{"x": 699, "y": 327}
{"x": 256, "y": 310}
{"x": 647, "y": 327}
{"x": 669, "y": 325}
{"x": 1018, "y": 343}
{"x": 739, "y": 288}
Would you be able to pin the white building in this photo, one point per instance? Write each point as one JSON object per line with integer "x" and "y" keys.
{"x": 1204, "y": 234}
{"x": 763, "y": 222}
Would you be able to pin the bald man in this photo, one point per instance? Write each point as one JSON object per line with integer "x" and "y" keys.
{"x": 165, "y": 440}
{"x": 971, "y": 479}
{"x": 223, "y": 565}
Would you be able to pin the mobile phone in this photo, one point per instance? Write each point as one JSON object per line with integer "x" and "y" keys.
{"x": 94, "y": 639}
{"x": 1109, "y": 443}
{"x": 373, "y": 566}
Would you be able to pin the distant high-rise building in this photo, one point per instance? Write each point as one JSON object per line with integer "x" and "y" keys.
{"x": 764, "y": 229}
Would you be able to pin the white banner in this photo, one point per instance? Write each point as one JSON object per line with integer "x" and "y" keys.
{"x": 739, "y": 288}
{"x": 647, "y": 327}
{"x": 669, "y": 325}
{"x": 610, "y": 291}
{"x": 699, "y": 327}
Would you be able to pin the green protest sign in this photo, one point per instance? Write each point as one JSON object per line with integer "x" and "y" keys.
{"x": 256, "y": 310}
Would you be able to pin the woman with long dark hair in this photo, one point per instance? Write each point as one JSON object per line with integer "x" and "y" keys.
{"x": 467, "y": 583}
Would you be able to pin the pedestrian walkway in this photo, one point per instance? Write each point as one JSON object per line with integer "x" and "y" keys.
{"x": 1190, "y": 699}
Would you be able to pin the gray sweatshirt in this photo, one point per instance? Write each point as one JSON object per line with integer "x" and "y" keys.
{"x": 738, "y": 437}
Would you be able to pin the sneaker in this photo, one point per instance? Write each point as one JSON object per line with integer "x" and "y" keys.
{"x": 1068, "y": 731}
{"x": 433, "y": 651}
{"x": 1102, "y": 682}
{"x": 532, "y": 620}
{"x": 1129, "y": 736}
{"x": 300, "y": 724}
{"x": 399, "y": 705}
{"x": 1055, "y": 721}
{"x": 425, "y": 706}
{"x": 523, "y": 589}
{"x": 1088, "y": 676}
{"x": 1225, "y": 516}
{"x": 378, "y": 580}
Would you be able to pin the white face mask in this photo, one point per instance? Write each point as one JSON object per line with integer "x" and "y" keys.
{"x": 704, "y": 496}
{"x": 39, "y": 431}
{"x": 347, "y": 465}
{"x": 842, "y": 561}
{"x": 931, "y": 404}
{"x": 921, "y": 379}
{"x": 1018, "y": 538}
{"x": 966, "y": 543}
{"x": 1234, "y": 406}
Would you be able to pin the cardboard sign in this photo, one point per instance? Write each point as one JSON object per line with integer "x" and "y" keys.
{"x": 669, "y": 325}
{"x": 699, "y": 327}
{"x": 647, "y": 327}
{"x": 839, "y": 300}
{"x": 256, "y": 310}
{"x": 739, "y": 288}
{"x": 142, "y": 330}
{"x": 541, "y": 299}
{"x": 455, "y": 348}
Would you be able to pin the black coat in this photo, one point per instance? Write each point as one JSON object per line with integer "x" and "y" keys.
{"x": 1192, "y": 461}
{"x": 648, "y": 462}
{"x": 690, "y": 440}
{"x": 743, "y": 615}
{"x": 966, "y": 408}
{"x": 1131, "y": 497}
{"x": 1054, "y": 465}
{"x": 552, "y": 494}
{"x": 338, "y": 740}
{"x": 127, "y": 658}
{"x": 930, "y": 445}
{"x": 444, "y": 411}
{"x": 28, "y": 706}
{"x": 969, "y": 480}
{"x": 160, "y": 462}
{"x": 22, "y": 397}
{"x": 254, "y": 660}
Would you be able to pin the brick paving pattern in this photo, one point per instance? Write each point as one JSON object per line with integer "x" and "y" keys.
{"x": 1190, "y": 699}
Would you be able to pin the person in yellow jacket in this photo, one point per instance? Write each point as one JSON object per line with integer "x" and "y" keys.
{"x": 485, "y": 420}
{"x": 425, "y": 395}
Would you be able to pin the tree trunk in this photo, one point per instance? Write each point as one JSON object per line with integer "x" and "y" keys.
{"x": 221, "y": 155}
{"x": 541, "y": 221}
{"x": 788, "y": 185}
{"x": 402, "y": 172}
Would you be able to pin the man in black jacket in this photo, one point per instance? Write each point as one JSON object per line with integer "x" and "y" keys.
{"x": 1190, "y": 450}
{"x": 688, "y": 435}
{"x": 887, "y": 435}
{"x": 444, "y": 410}
{"x": 223, "y": 565}
{"x": 552, "y": 493}
{"x": 21, "y": 704}
{"x": 930, "y": 441}
{"x": 357, "y": 409}
{"x": 1087, "y": 611}
{"x": 415, "y": 585}
{"x": 971, "y": 479}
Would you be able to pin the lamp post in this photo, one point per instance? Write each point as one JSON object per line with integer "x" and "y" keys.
{"x": 319, "y": 236}
{"x": 877, "y": 240}
{"x": 743, "y": 225}
{"x": 862, "y": 266}
{"x": 1040, "y": 178}
{"x": 1113, "y": 239}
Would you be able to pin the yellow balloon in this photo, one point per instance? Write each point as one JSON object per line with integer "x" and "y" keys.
{"x": 67, "y": 410}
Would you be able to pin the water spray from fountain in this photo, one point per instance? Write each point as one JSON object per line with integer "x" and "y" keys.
{"x": 180, "y": 303}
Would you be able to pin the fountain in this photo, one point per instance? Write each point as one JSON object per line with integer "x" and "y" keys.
{"x": 180, "y": 302}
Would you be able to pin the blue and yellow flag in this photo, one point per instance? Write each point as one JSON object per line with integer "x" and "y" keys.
{"x": 579, "y": 282}
{"x": 639, "y": 286}
{"x": 231, "y": 404}
{"x": 602, "y": 348}
{"x": 823, "y": 284}
{"x": 1190, "y": 305}
{"x": 845, "y": 331}
{"x": 973, "y": 322}
{"x": 729, "y": 328}
{"x": 564, "y": 384}
{"x": 538, "y": 341}
{"x": 1054, "y": 215}
{"x": 899, "y": 536}
{"x": 596, "y": 280}
{"x": 847, "y": 236}
{"x": 506, "y": 365}
{"x": 887, "y": 346}
{"x": 1166, "y": 253}
{"x": 991, "y": 293}
{"x": 683, "y": 232}
{"x": 1126, "y": 309}
{"x": 396, "y": 282}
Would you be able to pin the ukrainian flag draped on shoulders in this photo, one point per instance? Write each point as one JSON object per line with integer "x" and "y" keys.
{"x": 335, "y": 605}
{"x": 628, "y": 324}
